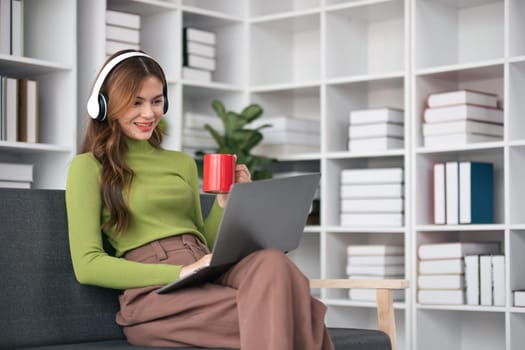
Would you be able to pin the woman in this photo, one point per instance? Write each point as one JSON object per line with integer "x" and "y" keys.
{"x": 146, "y": 201}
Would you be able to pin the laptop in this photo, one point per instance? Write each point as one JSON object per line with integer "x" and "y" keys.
{"x": 259, "y": 215}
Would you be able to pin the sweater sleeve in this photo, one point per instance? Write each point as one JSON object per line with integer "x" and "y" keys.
{"x": 91, "y": 264}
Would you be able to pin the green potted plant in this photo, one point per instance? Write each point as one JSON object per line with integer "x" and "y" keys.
{"x": 239, "y": 140}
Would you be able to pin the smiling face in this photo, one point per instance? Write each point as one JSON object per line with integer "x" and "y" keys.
{"x": 140, "y": 120}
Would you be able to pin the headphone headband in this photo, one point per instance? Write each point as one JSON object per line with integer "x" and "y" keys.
{"x": 94, "y": 105}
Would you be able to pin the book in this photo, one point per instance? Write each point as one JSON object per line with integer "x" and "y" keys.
{"x": 10, "y": 108}
{"x": 369, "y": 294}
{"x": 196, "y": 74}
{"x": 113, "y": 46}
{"x": 375, "y": 144}
{"x": 372, "y": 219}
{"x": 374, "y": 249}
{"x": 199, "y": 49}
{"x": 278, "y": 122}
{"x": 372, "y": 176}
{"x": 485, "y": 280}
{"x": 382, "y": 129}
{"x": 199, "y": 62}
{"x": 375, "y": 260}
{"x": 457, "y": 139}
{"x": 472, "y": 279}
{"x": 123, "y": 19}
{"x": 271, "y": 136}
{"x": 458, "y": 97}
{"x": 372, "y": 191}
{"x": 382, "y": 270}
{"x": 498, "y": 280}
{"x": 442, "y": 266}
{"x": 376, "y": 115}
{"x": 15, "y": 184}
{"x": 16, "y": 172}
{"x": 452, "y": 193}
{"x": 280, "y": 149}
{"x": 28, "y": 111}
{"x": 463, "y": 112}
{"x": 451, "y": 250}
{"x": 439, "y": 194}
{"x": 5, "y": 26}
{"x": 381, "y": 205}
{"x": 199, "y": 35}
{"x": 127, "y": 35}
{"x": 197, "y": 121}
{"x": 441, "y": 296}
{"x": 17, "y": 28}
{"x": 519, "y": 297}
{"x": 476, "y": 193}
{"x": 462, "y": 127}
{"x": 198, "y": 142}
{"x": 456, "y": 281}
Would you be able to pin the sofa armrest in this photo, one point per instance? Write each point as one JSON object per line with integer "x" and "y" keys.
{"x": 385, "y": 304}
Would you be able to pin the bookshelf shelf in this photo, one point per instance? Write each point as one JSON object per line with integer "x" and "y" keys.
{"x": 144, "y": 7}
{"x": 228, "y": 7}
{"x": 466, "y": 308}
{"x": 211, "y": 14}
{"x": 281, "y": 8}
{"x": 363, "y": 304}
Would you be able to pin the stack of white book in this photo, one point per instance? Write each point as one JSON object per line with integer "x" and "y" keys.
{"x": 441, "y": 278}
{"x": 122, "y": 31}
{"x": 198, "y": 54}
{"x": 376, "y": 129}
{"x": 195, "y": 137}
{"x": 287, "y": 135}
{"x": 372, "y": 197}
{"x": 380, "y": 261}
{"x": 461, "y": 117}
{"x": 15, "y": 175}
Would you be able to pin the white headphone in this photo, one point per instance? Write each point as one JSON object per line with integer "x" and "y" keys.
{"x": 97, "y": 104}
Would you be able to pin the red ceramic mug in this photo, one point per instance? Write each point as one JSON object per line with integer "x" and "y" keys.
{"x": 219, "y": 173}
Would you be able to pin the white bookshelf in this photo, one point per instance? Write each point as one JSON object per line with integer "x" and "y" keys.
{"x": 318, "y": 60}
{"x": 55, "y": 69}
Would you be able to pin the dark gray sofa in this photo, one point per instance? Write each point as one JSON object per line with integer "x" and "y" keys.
{"x": 42, "y": 306}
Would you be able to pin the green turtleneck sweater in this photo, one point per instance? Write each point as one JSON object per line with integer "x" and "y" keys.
{"x": 163, "y": 201}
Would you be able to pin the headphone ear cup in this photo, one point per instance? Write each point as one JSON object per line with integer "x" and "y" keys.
{"x": 102, "y": 107}
{"x": 165, "y": 93}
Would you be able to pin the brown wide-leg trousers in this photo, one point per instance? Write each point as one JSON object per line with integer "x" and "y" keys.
{"x": 263, "y": 302}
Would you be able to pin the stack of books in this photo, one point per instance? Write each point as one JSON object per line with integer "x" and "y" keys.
{"x": 198, "y": 54}
{"x": 441, "y": 278}
{"x": 460, "y": 117}
{"x": 195, "y": 137}
{"x": 287, "y": 135}
{"x": 15, "y": 175}
{"x": 376, "y": 129}
{"x": 381, "y": 261}
{"x": 122, "y": 31}
{"x": 372, "y": 197}
{"x": 463, "y": 193}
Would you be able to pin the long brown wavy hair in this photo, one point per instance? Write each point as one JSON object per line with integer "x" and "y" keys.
{"x": 106, "y": 141}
